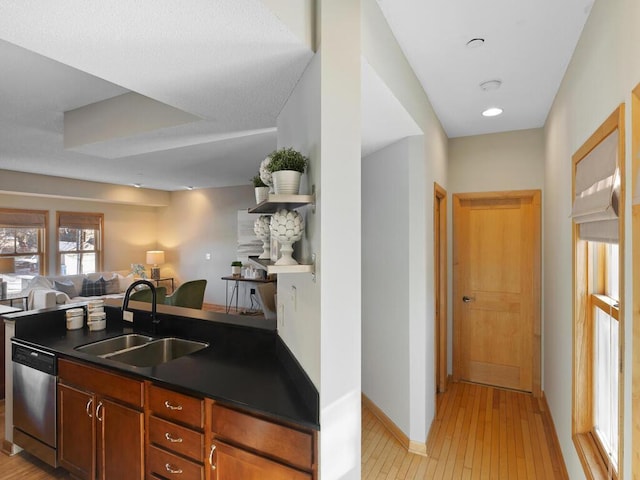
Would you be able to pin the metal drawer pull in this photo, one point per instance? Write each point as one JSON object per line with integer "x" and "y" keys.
{"x": 98, "y": 411}
{"x": 171, "y": 469}
{"x": 466, "y": 299}
{"x": 172, "y": 439}
{"x": 170, "y": 406}
{"x": 88, "y": 408}
{"x": 213, "y": 449}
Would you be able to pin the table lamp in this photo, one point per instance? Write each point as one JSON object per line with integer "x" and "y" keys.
{"x": 155, "y": 257}
{"x": 7, "y": 265}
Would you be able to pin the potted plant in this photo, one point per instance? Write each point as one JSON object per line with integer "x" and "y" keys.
{"x": 261, "y": 189}
{"x": 236, "y": 268}
{"x": 287, "y": 166}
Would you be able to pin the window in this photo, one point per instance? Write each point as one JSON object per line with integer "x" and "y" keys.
{"x": 79, "y": 240}
{"x": 598, "y": 216}
{"x": 604, "y": 321}
{"x": 22, "y": 244}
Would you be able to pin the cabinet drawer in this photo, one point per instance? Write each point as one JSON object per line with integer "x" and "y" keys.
{"x": 168, "y": 465}
{"x": 287, "y": 444}
{"x": 176, "y": 406}
{"x": 111, "y": 385}
{"x": 176, "y": 438}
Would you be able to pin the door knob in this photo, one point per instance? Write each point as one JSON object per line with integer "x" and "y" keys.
{"x": 466, "y": 299}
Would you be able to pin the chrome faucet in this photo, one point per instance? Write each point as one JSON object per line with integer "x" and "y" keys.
{"x": 154, "y": 302}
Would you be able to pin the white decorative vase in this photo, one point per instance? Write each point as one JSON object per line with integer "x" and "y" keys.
{"x": 286, "y": 181}
{"x": 265, "y": 174}
{"x": 262, "y": 193}
{"x": 287, "y": 227}
{"x": 262, "y": 229}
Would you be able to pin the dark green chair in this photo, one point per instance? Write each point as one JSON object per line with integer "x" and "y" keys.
{"x": 144, "y": 295}
{"x": 190, "y": 295}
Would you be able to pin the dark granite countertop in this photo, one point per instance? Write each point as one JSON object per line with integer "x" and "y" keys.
{"x": 243, "y": 365}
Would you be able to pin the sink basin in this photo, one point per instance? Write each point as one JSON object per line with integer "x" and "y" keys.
{"x": 157, "y": 352}
{"x": 115, "y": 344}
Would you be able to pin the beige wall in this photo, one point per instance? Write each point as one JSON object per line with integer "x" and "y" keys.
{"x": 129, "y": 230}
{"x": 199, "y": 222}
{"x": 501, "y": 161}
{"x": 604, "y": 69}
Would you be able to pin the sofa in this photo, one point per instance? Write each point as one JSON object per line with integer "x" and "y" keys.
{"x": 49, "y": 291}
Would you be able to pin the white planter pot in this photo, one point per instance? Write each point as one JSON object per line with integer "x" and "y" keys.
{"x": 262, "y": 193}
{"x": 286, "y": 182}
{"x": 235, "y": 271}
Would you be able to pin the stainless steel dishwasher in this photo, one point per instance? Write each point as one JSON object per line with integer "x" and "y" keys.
{"x": 34, "y": 401}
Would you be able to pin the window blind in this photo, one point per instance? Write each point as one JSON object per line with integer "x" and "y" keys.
{"x": 597, "y": 188}
{"x": 89, "y": 221}
{"x": 22, "y": 219}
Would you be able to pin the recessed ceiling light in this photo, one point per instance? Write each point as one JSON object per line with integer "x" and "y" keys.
{"x": 190, "y": 187}
{"x": 492, "y": 112}
{"x": 490, "y": 85}
{"x": 137, "y": 185}
{"x": 475, "y": 43}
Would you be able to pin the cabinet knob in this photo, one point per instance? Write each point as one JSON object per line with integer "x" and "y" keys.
{"x": 171, "y": 469}
{"x": 172, "y": 439}
{"x": 171, "y": 406}
{"x": 213, "y": 449}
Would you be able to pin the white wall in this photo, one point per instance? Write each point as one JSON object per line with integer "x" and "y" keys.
{"x": 603, "y": 71}
{"x": 427, "y": 164}
{"x": 198, "y": 222}
{"x": 322, "y": 324}
{"x": 385, "y": 281}
{"x": 129, "y": 230}
{"x": 491, "y": 163}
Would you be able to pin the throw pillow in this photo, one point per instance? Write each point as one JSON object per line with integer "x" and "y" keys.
{"x": 112, "y": 285}
{"x": 125, "y": 282}
{"x": 92, "y": 289}
{"x": 66, "y": 287}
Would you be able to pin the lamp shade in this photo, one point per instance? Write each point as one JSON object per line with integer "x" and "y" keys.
{"x": 155, "y": 257}
{"x": 7, "y": 265}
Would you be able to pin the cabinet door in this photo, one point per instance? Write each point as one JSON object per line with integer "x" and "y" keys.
{"x": 120, "y": 441}
{"x": 76, "y": 432}
{"x": 231, "y": 463}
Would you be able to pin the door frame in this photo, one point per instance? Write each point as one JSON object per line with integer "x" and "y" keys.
{"x": 440, "y": 284}
{"x": 534, "y": 196}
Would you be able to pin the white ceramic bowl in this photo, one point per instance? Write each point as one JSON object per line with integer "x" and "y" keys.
{"x": 97, "y": 325}
{"x": 75, "y": 322}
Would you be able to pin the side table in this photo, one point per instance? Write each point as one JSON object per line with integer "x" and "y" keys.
{"x": 234, "y": 292}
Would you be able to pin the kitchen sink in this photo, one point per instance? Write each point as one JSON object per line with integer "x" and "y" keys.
{"x": 158, "y": 351}
{"x": 115, "y": 344}
{"x": 141, "y": 350}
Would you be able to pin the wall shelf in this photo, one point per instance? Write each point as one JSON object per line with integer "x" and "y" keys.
{"x": 275, "y": 202}
{"x": 269, "y": 266}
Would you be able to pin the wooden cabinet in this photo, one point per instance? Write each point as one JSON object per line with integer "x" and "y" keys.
{"x": 175, "y": 439}
{"x": 249, "y": 447}
{"x": 104, "y": 433}
{"x": 100, "y": 423}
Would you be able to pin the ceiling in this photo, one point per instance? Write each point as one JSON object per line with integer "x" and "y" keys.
{"x": 528, "y": 45}
{"x": 232, "y": 67}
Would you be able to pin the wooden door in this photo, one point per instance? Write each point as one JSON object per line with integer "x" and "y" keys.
{"x": 76, "y": 432}
{"x": 120, "y": 441}
{"x": 234, "y": 463}
{"x": 496, "y": 268}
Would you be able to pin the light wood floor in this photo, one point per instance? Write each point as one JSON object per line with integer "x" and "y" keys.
{"x": 479, "y": 432}
{"x": 24, "y": 466}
